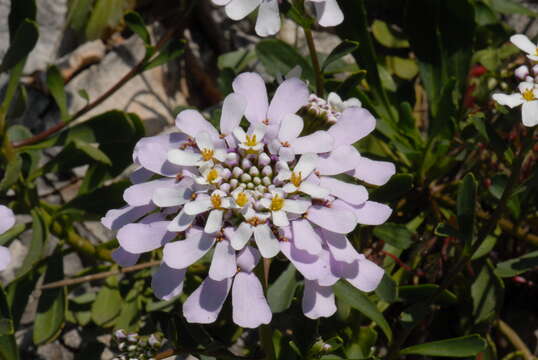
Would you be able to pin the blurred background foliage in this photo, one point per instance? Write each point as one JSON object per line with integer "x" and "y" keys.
{"x": 460, "y": 272}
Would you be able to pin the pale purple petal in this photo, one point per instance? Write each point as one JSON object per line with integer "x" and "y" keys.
{"x": 250, "y": 308}
{"x": 336, "y": 220}
{"x": 5, "y": 257}
{"x": 338, "y": 161}
{"x": 290, "y": 127}
{"x": 152, "y": 153}
{"x": 329, "y": 13}
{"x": 191, "y": 122}
{"x": 318, "y": 301}
{"x": 148, "y": 235}
{"x": 7, "y": 219}
{"x": 340, "y": 247}
{"x": 290, "y": 96}
{"x": 223, "y": 264}
{"x": 117, "y": 218}
{"x": 181, "y": 254}
{"x": 233, "y": 109}
{"x": 305, "y": 238}
{"x": 374, "y": 172}
{"x": 372, "y": 213}
{"x": 266, "y": 241}
{"x": 351, "y": 193}
{"x": 312, "y": 267}
{"x": 252, "y": 87}
{"x": 141, "y": 194}
{"x": 166, "y": 282}
{"x": 318, "y": 142}
{"x": 140, "y": 175}
{"x": 124, "y": 258}
{"x": 354, "y": 124}
{"x": 239, "y": 9}
{"x": 248, "y": 258}
{"x": 181, "y": 222}
{"x": 362, "y": 273}
{"x": 204, "y": 304}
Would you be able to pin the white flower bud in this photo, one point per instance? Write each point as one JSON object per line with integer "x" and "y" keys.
{"x": 225, "y": 187}
{"x": 267, "y": 171}
{"x": 250, "y": 185}
{"x": 232, "y": 159}
{"x": 256, "y": 180}
{"x": 266, "y": 181}
{"x": 237, "y": 172}
{"x": 120, "y": 334}
{"x": 234, "y": 183}
{"x": 246, "y": 164}
{"x": 254, "y": 171}
{"x": 132, "y": 337}
{"x": 522, "y": 72}
{"x": 245, "y": 178}
{"x": 264, "y": 159}
{"x": 226, "y": 174}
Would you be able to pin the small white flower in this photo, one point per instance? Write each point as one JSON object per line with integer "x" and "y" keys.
{"x": 523, "y": 42}
{"x": 336, "y": 102}
{"x": 527, "y": 97}
{"x": 305, "y": 166}
{"x": 252, "y": 141}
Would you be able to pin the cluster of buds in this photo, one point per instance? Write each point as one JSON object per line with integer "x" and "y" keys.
{"x": 135, "y": 347}
{"x": 329, "y": 110}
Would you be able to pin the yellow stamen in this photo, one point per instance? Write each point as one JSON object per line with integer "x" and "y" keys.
{"x": 241, "y": 199}
{"x": 216, "y": 201}
{"x": 528, "y": 95}
{"x": 212, "y": 175}
{"x": 296, "y": 178}
{"x": 251, "y": 140}
{"x": 536, "y": 52}
{"x": 277, "y": 203}
{"x": 207, "y": 154}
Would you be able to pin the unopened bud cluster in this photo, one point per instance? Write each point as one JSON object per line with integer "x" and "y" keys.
{"x": 132, "y": 346}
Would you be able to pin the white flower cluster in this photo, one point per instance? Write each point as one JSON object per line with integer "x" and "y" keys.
{"x": 527, "y": 96}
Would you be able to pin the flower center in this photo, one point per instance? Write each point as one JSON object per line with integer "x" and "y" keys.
{"x": 212, "y": 175}
{"x": 241, "y": 199}
{"x": 207, "y": 154}
{"x": 216, "y": 201}
{"x": 296, "y": 178}
{"x": 251, "y": 140}
{"x": 528, "y": 95}
{"x": 277, "y": 203}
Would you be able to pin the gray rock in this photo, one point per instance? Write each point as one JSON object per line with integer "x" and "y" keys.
{"x": 54, "y": 351}
{"x": 72, "y": 339}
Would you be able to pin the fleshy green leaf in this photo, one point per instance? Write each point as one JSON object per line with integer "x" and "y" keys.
{"x": 344, "y": 48}
{"x": 416, "y": 293}
{"x": 106, "y": 14}
{"x": 55, "y": 83}
{"x": 384, "y": 35}
{"x": 137, "y": 25}
{"x": 466, "y": 205}
{"x": 24, "y": 41}
{"x": 174, "y": 49}
{"x": 281, "y": 292}
{"x": 464, "y": 346}
{"x": 107, "y": 306}
{"x": 52, "y": 304}
{"x": 358, "y": 300}
{"x": 396, "y": 188}
{"x": 395, "y": 234}
{"x": 518, "y": 265}
{"x": 8, "y": 345}
{"x": 487, "y": 294}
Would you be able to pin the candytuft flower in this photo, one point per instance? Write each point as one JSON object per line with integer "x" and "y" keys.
{"x": 523, "y": 42}
{"x": 7, "y": 220}
{"x": 527, "y": 97}
{"x": 251, "y": 193}
{"x": 328, "y": 13}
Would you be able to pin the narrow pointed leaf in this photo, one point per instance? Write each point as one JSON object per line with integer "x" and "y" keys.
{"x": 457, "y": 347}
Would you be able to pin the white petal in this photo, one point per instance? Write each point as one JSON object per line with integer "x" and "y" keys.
{"x": 233, "y": 109}
{"x": 512, "y": 100}
{"x": 167, "y": 197}
{"x": 351, "y": 193}
{"x": 305, "y": 238}
{"x": 181, "y": 222}
{"x": 268, "y": 22}
{"x": 240, "y": 134}
{"x": 214, "y": 221}
{"x": 306, "y": 164}
{"x": 239, "y": 9}
{"x": 223, "y": 264}
{"x": 523, "y": 42}
{"x": 296, "y": 206}
{"x": 266, "y": 241}
{"x": 198, "y": 206}
{"x": 203, "y": 141}
{"x": 329, "y": 13}
{"x": 250, "y": 308}
{"x": 183, "y": 158}
{"x": 314, "y": 190}
{"x": 529, "y": 113}
{"x": 241, "y": 236}
{"x": 318, "y": 301}
{"x": 290, "y": 127}
{"x": 280, "y": 218}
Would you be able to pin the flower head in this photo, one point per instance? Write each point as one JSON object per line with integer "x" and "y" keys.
{"x": 7, "y": 220}
{"x": 527, "y": 98}
{"x": 251, "y": 194}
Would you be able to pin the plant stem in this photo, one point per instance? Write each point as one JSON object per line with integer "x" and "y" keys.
{"x": 394, "y": 350}
{"x": 514, "y": 338}
{"x": 320, "y": 91}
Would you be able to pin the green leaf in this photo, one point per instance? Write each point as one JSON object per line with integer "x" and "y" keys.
{"x": 97, "y": 202}
{"x": 404, "y": 68}
{"x": 387, "y": 289}
{"x": 466, "y": 205}
{"x": 279, "y": 58}
{"x": 395, "y": 189}
{"x": 395, "y": 234}
{"x": 129, "y": 318}
{"x": 107, "y": 306}
{"x": 519, "y": 265}
{"x": 281, "y": 292}
{"x": 362, "y": 346}
{"x": 13, "y": 171}
{"x": 24, "y": 41}
{"x": 416, "y": 293}
{"x": 12, "y": 233}
{"x": 78, "y": 14}
{"x": 487, "y": 292}
{"x": 52, "y": 304}
{"x": 344, "y": 48}
{"x": 19, "y": 12}
{"x": 8, "y": 345}
{"x": 485, "y": 248}
{"x": 137, "y": 25}
{"x": 464, "y": 346}
{"x": 106, "y": 14}
{"x": 55, "y": 83}
{"x": 358, "y": 300}
{"x": 511, "y": 7}
{"x": 384, "y": 35}
{"x": 93, "y": 152}
{"x": 174, "y": 49}
{"x": 40, "y": 235}
{"x": 18, "y": 133}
